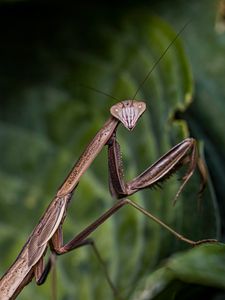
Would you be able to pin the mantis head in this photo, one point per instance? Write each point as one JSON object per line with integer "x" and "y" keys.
{"x": 128, "y": 112}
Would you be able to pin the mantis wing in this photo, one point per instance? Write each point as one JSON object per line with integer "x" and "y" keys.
{"x": 45, "y": 229}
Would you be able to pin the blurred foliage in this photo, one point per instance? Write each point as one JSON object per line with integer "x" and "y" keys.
{"x": 49, "y": 52}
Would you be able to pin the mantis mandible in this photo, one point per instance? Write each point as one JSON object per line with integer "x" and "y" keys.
{"x": 48, "y": 232}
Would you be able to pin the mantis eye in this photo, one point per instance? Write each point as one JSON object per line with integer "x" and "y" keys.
{"x": 128, "y": 112}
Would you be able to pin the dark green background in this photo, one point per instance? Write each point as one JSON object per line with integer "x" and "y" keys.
{"x": 47, "y": 51}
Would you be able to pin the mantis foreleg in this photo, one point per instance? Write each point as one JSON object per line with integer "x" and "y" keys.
{"x": 181, "y": 154}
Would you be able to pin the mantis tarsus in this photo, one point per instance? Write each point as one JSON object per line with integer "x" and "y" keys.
{"x": 48, "y": 231}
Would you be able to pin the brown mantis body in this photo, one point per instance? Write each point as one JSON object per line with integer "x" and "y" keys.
{"x": 29, "y": 262}
{"x": 48, "y": 232}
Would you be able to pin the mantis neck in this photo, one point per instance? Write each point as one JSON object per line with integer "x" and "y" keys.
{"x": 87, "y": 157}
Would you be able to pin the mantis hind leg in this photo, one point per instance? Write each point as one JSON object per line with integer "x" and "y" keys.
{"x": 41, "y": 272}
{"x": 58, "y": 248}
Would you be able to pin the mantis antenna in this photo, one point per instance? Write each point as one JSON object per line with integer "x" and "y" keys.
{"x": 100, "y": 92}
{"x": 150, "y": 71}
{"x": 159, "y": 59}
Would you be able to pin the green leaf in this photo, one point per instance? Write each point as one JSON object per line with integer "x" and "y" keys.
{"x": 201, "y": 266}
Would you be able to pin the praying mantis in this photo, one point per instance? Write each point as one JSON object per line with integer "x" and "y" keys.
{"x": 48, "y": 232}
{"x": 29, "y": 262}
